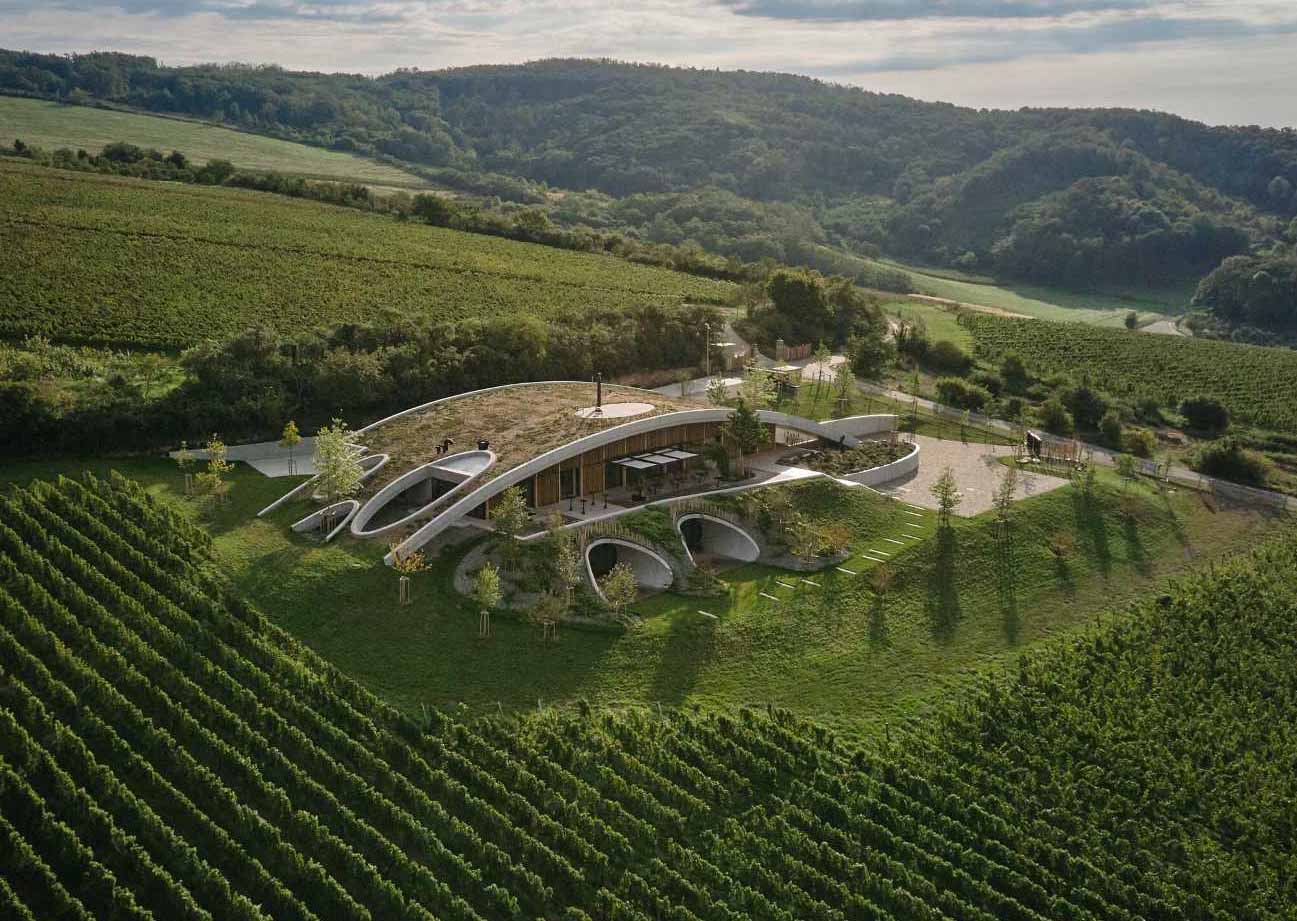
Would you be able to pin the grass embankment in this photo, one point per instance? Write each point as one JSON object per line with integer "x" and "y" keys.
{"x": 51, "y": 125}
{"x": 166, "y": 265}
{"x": 826, "y": 650}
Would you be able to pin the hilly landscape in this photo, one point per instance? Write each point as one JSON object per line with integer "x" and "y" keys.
{"x": 755, "y": 165}
{"x": 594, "y": 491}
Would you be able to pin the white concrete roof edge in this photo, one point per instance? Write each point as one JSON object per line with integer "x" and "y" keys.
{"x": 605, "y": 436}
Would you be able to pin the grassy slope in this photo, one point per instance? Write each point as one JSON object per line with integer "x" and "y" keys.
{"x": 167, "y": 264}
{"x": 940, "y": 323}
{"x": 1053, "y": 303}
{"x": 51, "y": 125}
{"x": 824, "y": 651}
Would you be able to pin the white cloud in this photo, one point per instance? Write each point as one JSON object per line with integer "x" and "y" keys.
{"x": 1211, "y": 59}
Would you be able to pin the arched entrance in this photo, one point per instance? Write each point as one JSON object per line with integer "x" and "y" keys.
{"x": 652, "y": 572}
{"x": 708, "y": 538}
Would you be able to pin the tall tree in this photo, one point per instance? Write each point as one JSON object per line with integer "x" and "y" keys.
{"x": 487, "y": 594}
{"x": 509, "y": 514}
{"x": 619, "y": 589}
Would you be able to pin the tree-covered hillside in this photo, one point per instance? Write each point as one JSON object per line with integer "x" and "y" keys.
{"x": 1085, "y": 198}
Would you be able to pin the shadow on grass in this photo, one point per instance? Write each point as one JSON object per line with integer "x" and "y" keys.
{"x": 1006, "y": 583}
{"x": 1092, "y": 526}
{"x": 943, "y": 607}
{"x": 1135, "y": 551}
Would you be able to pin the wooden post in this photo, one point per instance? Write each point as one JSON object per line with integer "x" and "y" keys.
{"x": 189, "y": 484}
{"x": 484, "y": 625}
{"x": 405, "y": 590}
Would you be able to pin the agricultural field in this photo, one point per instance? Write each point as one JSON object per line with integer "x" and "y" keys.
{"x": 168, "y": 752}
{"x": 1257, "y": 385}
{"x": 164, "y": 266}
{"x": 51, "y": 125}
{"x": 1096, "y": 309}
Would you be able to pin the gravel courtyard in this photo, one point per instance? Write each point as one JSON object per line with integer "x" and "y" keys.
{"x": 977, "y": 471}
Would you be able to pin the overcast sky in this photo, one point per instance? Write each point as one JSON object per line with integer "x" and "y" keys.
{"x": 1221, "y": 61}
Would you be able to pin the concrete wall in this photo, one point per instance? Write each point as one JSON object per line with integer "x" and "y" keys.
{"x": 345, "y": 509}
{"x": 481, "y": 460}
{"x": 721, "y": 537}
{"x": 862, "y": 425}
{"x": 888, "y": 472}
{"x": 605, "y": 436}
{"x": 652, "y": 571}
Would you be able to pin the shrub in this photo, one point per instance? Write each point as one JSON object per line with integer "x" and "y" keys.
{"x": 1110, "y": 428}
{"x": 1205, "y": 414}
{"x": 955, "y": 391}
{"x": 1139, "y": 442}
{"x": 1053, "y": 415}
{"x": 1229, "y": 460}
{"x": 947, "y": 356}
{"x": 1014, "y": 371}
{"x": 1087, "y": 405}
{"x": 991, "y": 381}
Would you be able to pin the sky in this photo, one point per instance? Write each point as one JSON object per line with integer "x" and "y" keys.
{"x": 1218, "y": 61}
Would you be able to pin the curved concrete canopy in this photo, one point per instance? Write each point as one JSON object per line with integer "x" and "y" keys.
{"x": 605, "y": 436}
{"x": 345, "y": 510}
{"x": 728, "y": 538}
{"x": 370, "y": 464}
{"x": 465, "y": 467}
{"x": 651, "y": 570}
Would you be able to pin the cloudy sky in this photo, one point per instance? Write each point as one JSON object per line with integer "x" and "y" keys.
{"x": 1221, "y": 61}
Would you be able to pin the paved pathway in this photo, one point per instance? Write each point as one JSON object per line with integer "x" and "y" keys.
{"x": 977, "y": 471}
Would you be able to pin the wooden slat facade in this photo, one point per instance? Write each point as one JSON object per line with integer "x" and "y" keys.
{"x": 591, "y": 468}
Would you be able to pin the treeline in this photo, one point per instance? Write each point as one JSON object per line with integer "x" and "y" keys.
{"x": 124, "y": 159}
{"x": 1259, "y": 291}
{"x": 245, "y": 388}
{"x": 832, "y": 165}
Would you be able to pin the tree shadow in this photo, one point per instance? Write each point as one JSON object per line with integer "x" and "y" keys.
{"x": 1063, "y": 575}
{"x": 1093, "y": 527}
{"x": 878, "y": 621}
{"x": 943, "y": 605}
{"x": 1006, "y": 583}
{"x": 689, "y": 645}
{"x": 1135, "y": 551}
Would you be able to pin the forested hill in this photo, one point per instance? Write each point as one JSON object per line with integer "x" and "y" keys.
{"x": 755, "y": 164}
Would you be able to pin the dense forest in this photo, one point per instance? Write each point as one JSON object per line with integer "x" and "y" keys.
{"x": 756, "y": 165}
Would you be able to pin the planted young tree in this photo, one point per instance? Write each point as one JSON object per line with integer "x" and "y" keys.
{"x": 150, "y": 365}
{"x": 486, "y": 592}
{"x": 946, "y": 492}
{"x": 717, "y": 393}
{"x": 185, "y": 460}
{"x": 289, "y": 439}
{"x": 509, "y": 514}
{"x": 820, "y": 358}
{"x": 844, "y": 379}
{"x": 1127, "y": 469}
{"x": 619, "y": 590}
{"x": 757, "y": 388}
{"x": 1004, "y": 494}
{"x": 406, "y": 565}
{"x": 337, "y": 462}
{"x": 211, "y": 481}
{"x": 545, "y": 613}
{"x": 881, "y": 580}
{"x": 804, "y": 540}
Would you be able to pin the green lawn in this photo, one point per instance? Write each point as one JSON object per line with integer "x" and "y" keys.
{"x": 825, "y": 649}
{"x": 52, "y": 125}
{"x": 940, "y": 322}
{"x": 1098, "y": 308}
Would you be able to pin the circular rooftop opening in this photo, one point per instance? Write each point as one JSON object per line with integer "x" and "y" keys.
{"x": 626, "y": 410}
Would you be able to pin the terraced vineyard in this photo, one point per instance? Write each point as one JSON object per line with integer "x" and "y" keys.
{"x": 166, "y": 753}
{"x": 168, "y": 265}
{"x": 1257, "y": 385}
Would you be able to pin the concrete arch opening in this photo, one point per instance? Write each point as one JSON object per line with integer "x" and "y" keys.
{"x": 713, "y": 540}
{"x": 652, "y": 572}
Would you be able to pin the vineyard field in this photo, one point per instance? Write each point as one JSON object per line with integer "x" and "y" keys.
{"x": 165, "y": 752}
{"x": 1256, "y": 384}
{"x": 52, "y": 125}
{"x": 165, "y": 265}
